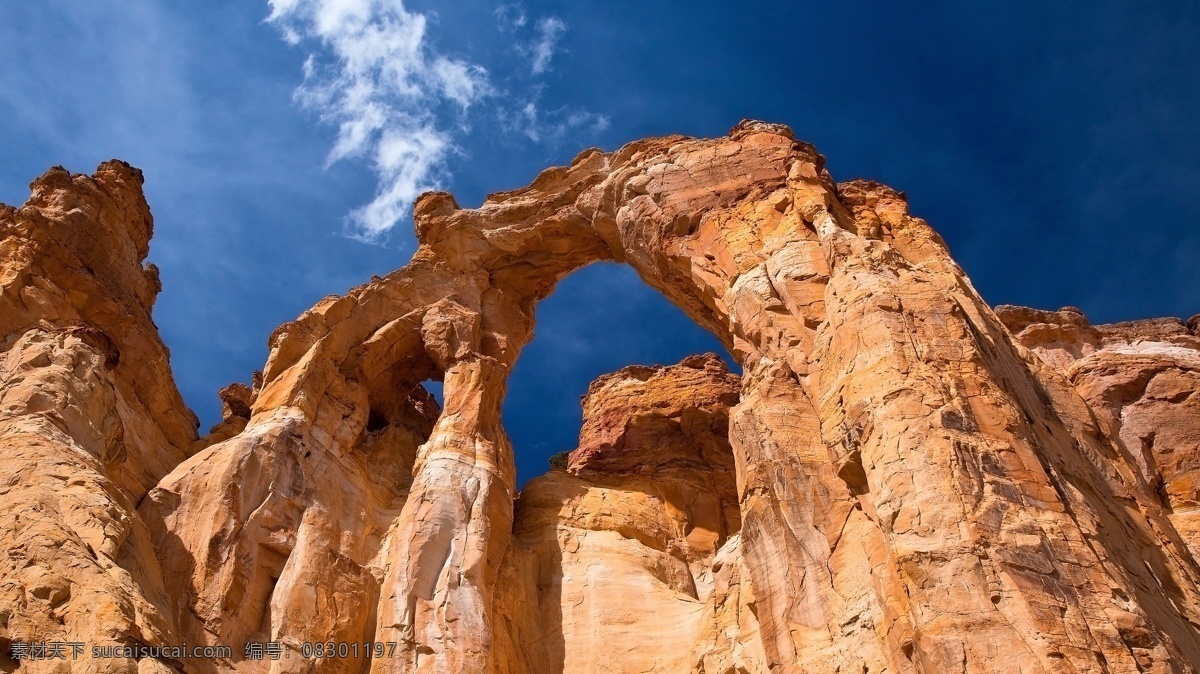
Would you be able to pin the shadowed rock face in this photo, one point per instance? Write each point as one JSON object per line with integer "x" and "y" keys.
{"x": 1142, "y": 381}
{"x": 903, "y": 480}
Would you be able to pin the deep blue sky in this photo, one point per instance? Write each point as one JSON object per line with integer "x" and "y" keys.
{"x": 1057, "y": 149}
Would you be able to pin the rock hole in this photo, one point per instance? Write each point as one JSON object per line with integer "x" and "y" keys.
{"x": 598, "y": 320}
{"x": 376, "y": 421}
{"x": 435, "y": 389}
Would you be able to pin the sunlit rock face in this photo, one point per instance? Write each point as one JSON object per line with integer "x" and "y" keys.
{"x": 900, "y": 480}
{"x": 619, "y": 547}
{"x": 90, "y": 419}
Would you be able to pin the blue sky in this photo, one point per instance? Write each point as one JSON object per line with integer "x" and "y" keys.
{"x": 1056, "y": 146}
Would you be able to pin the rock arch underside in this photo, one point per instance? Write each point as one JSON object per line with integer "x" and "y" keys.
{"x": 902, "y": 479}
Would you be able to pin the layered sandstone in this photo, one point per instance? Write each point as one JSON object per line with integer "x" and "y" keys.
{"x": 1142, "y": 380}
{"x": 611, "y": 567}
{"x": 90, "y": 418}
{"x": 918, "y": 483}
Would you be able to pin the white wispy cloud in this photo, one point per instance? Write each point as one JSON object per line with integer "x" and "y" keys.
{"x": 373, "y": 73}
{"x": 538, "y": 42}
{"x": 511, "y": 16}
{"x": 551, "y": 126}
{"x": 549, "y": 30}
{"x": 375, "y": 76}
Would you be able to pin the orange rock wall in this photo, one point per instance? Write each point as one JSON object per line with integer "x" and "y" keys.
{"x": 1142, "y": 381}
{"x": 90, "y": 418}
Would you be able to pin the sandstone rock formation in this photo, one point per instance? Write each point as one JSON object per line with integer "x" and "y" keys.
{"x": 1142, "y": 380}
{"x": 903, "y": 480}
{"x": 90, "y": 418}
{"x": 619, "y": 548}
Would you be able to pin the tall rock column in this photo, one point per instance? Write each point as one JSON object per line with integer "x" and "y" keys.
{"x": 444, "y": 553}
{"x": 1002, "y": 505}
{"x": 90, "y": 421}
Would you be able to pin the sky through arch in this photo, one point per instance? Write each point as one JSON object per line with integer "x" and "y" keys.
{"x": 598, "y": 320}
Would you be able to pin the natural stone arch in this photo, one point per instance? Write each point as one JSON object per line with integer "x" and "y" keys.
{"x": 897, "y": 454}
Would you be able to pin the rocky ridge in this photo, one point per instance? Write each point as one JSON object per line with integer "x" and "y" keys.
{"x": 901, "y": 480}
{"x": 1142, "y": 381}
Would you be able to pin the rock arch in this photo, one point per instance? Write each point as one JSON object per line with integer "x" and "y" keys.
{"x": 906, "y": 476}
{"x": 917, "y": 492}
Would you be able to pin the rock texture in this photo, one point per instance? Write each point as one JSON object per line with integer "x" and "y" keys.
{"x": 1142, "y": 380}
{"x": 903, "y": 480}
{"x": 90, "y": 418}
{"x": 619, "y": 548}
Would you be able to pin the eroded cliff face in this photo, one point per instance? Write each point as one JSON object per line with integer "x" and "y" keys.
{"x": 1142, "y": 381}
{"x": 901, "y": 480}
{"x": 90, "y": 419}
{"x": 618, "y": 548}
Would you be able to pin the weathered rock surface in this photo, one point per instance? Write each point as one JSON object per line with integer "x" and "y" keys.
{"x": 619, "y": 548}
{"x": 1142, "y": 379}
{"x": 90, "y": 418}
{"x": 918, "y": 483}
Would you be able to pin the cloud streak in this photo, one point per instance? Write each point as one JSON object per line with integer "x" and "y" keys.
{"x": 542, "y": 126}
{"x": 510, "y": 17}
{"x": 374, "y": 75}
{"x": 549, "y": 30}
